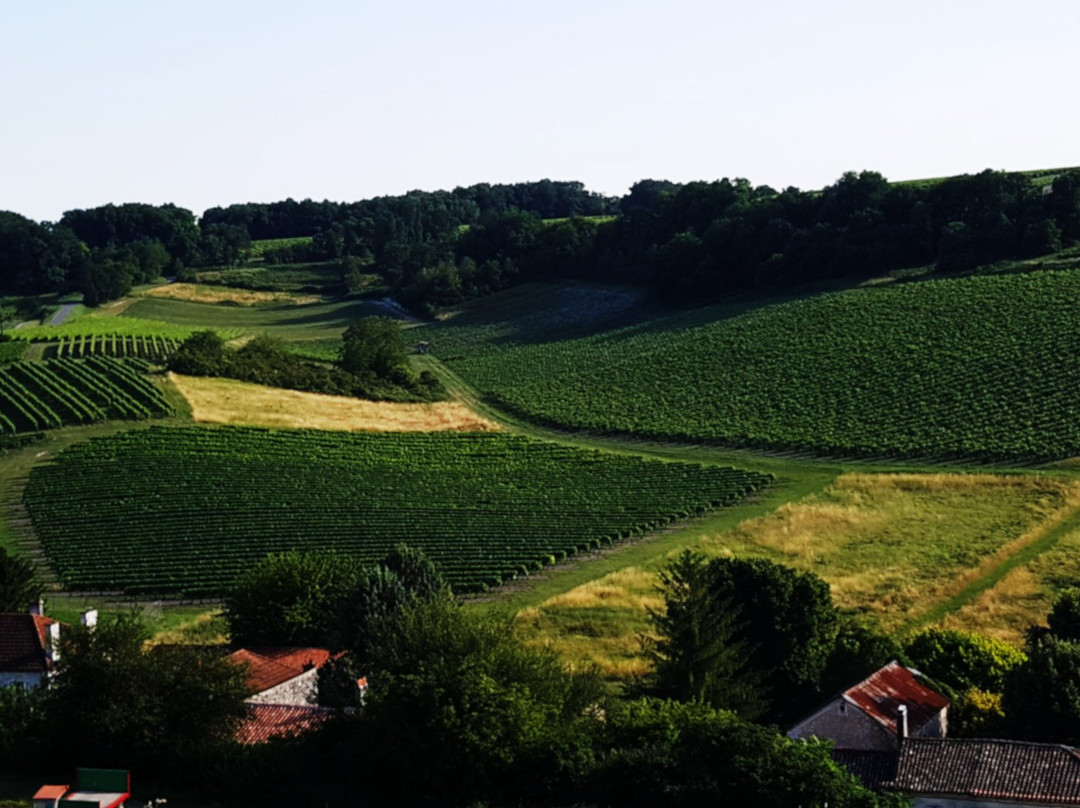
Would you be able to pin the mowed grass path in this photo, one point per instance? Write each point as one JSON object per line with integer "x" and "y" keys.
{"x": 980, "y": 367}
{"x": 307, "y": 322}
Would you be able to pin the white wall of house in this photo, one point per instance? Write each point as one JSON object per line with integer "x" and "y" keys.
{"x": 25, "y": 679}
{"x": 847, "y": 725}
{"x": 300, "y": 690}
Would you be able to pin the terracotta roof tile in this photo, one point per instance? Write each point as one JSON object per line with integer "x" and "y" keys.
{"x": 266, "y": 721}
{"x": 989, "y": 769}
{"x": 301, "y": 659}
{"x": 23, "y": 640}
{"x": 263, "y": 673}
{"x": 881, "y": 693}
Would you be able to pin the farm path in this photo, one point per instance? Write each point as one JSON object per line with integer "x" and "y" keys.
{"x": 61, "y": 314}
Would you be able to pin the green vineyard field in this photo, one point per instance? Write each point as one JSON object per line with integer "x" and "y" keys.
{"x": 983, "y": 367}
{"x": 45, "y": 395}
{"x": 184, "y": 510}
{"x": 149, "y": 347}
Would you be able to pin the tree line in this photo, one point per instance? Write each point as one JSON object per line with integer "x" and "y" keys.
{"x": 687, "y": 242}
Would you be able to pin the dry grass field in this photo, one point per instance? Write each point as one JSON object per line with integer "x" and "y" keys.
{"x": 225, "y": 401}
{"x": 199, "y": 293}
{"x": 898, "y": 548}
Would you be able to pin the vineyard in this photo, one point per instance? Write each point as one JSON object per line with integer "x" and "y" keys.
{"x": 184, "y": 510}
{"x": 149, "y": 347}
{"x": 46, "y": 395}
{"x": 983, "y": 367}
{"x": 108, "y": 326}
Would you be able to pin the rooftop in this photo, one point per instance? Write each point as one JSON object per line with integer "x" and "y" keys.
{"x": 882, "y": 692}
{"x": 989, "y": 769}
{"x": 23, "y": 640}
{"x": 266, "y": 721}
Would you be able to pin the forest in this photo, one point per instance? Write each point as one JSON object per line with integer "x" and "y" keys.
{"x": 692, "y": 242}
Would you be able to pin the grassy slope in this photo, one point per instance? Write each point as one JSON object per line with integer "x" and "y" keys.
{"x": 315, "y": 321}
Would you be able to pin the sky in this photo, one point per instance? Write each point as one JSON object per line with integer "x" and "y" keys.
{"x": 213, "y": 103}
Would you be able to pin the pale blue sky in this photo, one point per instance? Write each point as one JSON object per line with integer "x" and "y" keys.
{"x": 208, "y": 103}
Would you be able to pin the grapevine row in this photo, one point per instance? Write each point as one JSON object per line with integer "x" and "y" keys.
{"x": 45, "y": 395}
{"x": 982, "y": 367}
{"x": 185, "y": 510}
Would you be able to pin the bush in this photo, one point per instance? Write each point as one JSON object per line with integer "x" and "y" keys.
{"x": 963, "y": 660}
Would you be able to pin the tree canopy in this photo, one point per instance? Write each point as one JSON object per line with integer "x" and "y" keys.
{"x": 19, "y": 584}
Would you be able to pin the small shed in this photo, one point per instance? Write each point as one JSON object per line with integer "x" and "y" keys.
{"x": 94, "y": 788}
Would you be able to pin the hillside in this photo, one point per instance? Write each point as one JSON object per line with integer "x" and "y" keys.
{"x": 978, "y": 367}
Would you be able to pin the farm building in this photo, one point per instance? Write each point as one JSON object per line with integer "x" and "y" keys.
{"x": 873, "y": 714}
{"x": 971, "y": 772}
{"x": 94, "y": 788}
{"x": 282, "y": 675}
{"x": 29, "y": 646}
{"x": 284, "y": 684}
{"x": 889, "y": 731}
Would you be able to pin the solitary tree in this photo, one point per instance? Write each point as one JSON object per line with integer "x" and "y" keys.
{"x": 697, "y": 655}
{"x": 373, "y": 346}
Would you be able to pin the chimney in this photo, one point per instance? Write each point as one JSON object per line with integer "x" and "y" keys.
{"x": 901, "y": 723}
{"x": 89, "y": 618}
{"x": 38, "y": 608}
{"x": 52, "y": 638}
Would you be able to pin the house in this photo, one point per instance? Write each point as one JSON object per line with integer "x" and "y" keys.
{"x": 282, "y": 675}
{"x": 95, "y": 788}
{"x": 889, "y": 731}
{"x": 971, "y": 772}
{"x": 29, "y": 647}
{"x": 875, "y": 713}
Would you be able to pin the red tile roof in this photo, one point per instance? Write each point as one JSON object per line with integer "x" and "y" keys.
{"x": 263, "y": 673}
{"x": 51, "y": 792}
{"x": 300, "y": 658}
{"x": 989, "y": 769}
{"x": 881, "y": 693}
{"x": 266, "y": 721}
{"x": 23, "y": 640}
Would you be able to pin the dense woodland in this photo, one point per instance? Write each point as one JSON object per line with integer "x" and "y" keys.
{"x": 691, "y": 243}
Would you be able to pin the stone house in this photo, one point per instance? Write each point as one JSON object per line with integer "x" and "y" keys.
{"x": 873, "y": 714}
{"x": 283, "y": 676}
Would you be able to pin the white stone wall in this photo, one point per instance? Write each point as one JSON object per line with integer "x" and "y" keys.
{"x": 298, "y": 691}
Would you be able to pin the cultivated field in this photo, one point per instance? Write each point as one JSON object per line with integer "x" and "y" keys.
{"x": 226, "y": 401}
{"x": 979, "y": 367}
{"x": 184, "y": 510}
{"x": 46, "y": 395}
